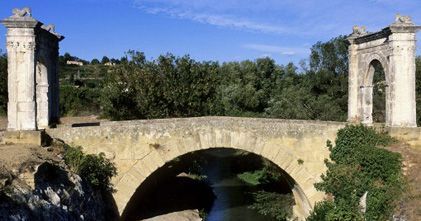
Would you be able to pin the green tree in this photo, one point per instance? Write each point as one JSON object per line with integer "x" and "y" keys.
{"x": 104, "y": 60}
{"x": 247, "y": 86}
{"x": 167, "y": 87}
{"x": 95, "y": 61}
{"x": 331, "y": 56}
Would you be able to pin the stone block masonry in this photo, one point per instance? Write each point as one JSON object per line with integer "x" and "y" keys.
{"x": 33, "y": 84}
{"x": 394, "y": 49}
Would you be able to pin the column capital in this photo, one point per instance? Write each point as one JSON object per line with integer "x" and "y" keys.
{"x": 403, "y": 24}
{"x": 21, "y": 18}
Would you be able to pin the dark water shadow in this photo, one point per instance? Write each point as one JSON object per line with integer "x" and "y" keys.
{"x": 170, "y": 195}
{"x": 163, "y": 192}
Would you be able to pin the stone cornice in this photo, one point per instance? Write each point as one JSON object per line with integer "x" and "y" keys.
{"x": 402, "y": 24}
{"x": 50, "y": 30}
{"x": 25, "y": 22}
{"x": 386, "y": 32}
{"x": 22, "y": 18}
{"x": 404, "y": 28}
{"x": 373, "y": 36}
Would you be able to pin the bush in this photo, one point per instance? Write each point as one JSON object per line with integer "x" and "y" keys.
{"x": 358, "y": 166}
{"x": 266, "y": 175}
{"x": 79, "y": 101}
{"x": 95, "y": 169}
{"x": 273, "y": 204}
{"x": 339, "y": 211}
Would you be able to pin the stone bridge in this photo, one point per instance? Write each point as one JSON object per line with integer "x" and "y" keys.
{"x": 141, "y": 147}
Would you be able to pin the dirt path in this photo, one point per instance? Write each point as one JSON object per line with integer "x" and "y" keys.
{"x": 410, "y": 206}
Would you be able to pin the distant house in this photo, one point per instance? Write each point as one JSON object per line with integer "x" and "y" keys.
{"x": 78, "y": 63}
{"x": 109, "y": 64}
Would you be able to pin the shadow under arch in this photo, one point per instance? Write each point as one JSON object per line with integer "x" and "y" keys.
{"x": 168, "y": 174}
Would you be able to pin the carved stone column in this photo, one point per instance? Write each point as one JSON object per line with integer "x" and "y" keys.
{"x": 402, "y": 65}
{"x": 354, "y": 113}
{"x": 47, "y": 85}
{"x": 21, "y": 42}
{"x": 32, "y": 52}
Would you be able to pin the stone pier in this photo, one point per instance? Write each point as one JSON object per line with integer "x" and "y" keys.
{"x": 33, "y": 85}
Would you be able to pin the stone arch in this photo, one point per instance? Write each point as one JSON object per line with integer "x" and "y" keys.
{"x": 375, "y": 57}
{"x": 394, "y": 48}
{"x": 301, "y": 209}
{"x": 367, "y": 85}
{"x": 302, "y": 189}
{"x": 141, "y": 147}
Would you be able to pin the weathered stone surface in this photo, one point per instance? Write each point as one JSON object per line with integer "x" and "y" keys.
{"x": 32, "y": 52}
{"x": 22, "y": 137}
{"x": 394, "y": 48}
{"x": 35, "y": 185}
{"x": 141, "y": 147}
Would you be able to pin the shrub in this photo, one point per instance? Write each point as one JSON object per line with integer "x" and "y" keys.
{"x": 79, "y": 101}
{"x": 95, "y": 169}
{"x": 358, "y": 165}
{"x": 273, "y": 204}
{"x": 268, "y": 174}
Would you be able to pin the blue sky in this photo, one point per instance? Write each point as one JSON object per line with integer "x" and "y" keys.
{"x": 224, "y": 30}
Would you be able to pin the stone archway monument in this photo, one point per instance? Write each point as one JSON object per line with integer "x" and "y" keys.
{"x": 33, "y": 84}
{"x": 394, "y": 49}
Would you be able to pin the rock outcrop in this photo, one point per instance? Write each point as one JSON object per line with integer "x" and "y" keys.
{"x": 40, "y": 187}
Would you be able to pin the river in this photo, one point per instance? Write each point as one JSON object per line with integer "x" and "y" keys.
{"x": 232, "y": 195}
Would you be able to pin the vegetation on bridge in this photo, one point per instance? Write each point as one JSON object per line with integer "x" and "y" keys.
{"x": 360, "y": 165}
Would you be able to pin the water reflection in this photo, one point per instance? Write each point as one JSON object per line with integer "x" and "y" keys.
{"x": 232, "y": 195}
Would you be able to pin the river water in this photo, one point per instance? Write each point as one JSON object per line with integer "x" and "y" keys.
{"x": 232, "y": 195}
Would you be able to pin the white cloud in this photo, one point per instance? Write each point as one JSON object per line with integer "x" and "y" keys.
{"x": 215, "y": 19}
{"x": 315, "y": 18}
{"x": 289, "y": 51}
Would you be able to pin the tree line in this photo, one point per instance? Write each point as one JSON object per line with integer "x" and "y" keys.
{"x": 174, "y": 86}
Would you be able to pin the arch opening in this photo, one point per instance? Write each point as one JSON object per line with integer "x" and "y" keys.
{"x": 217, "y": 181}
{"x": 375, "y": 96}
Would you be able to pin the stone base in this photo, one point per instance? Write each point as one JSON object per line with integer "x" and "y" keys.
{"x": 24, "y": 137}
